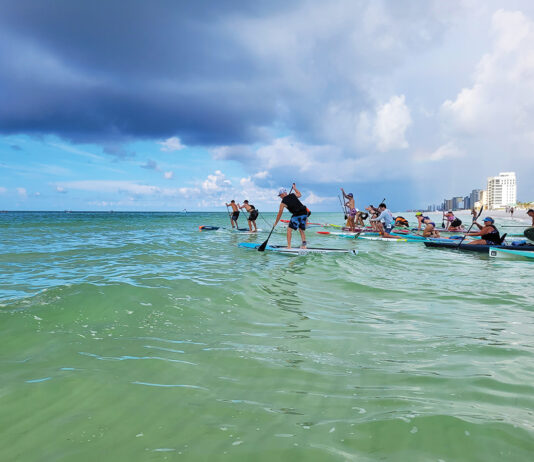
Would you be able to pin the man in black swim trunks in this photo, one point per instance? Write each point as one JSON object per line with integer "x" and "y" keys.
{"x": 253, "y": 214}
{"x": 298, "y": 217}
{"x": 235, "y": 213}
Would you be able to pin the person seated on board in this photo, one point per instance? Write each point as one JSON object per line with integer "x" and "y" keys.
{"x": 456, "y": 226}
{"x": 350, "y": 204}
{"x": 450, "y": 218}
{"x": 299, "y": 214}
{"x": 489, "y": 234}
{"x": 401, "y": 222}
{"x": 235, "y": 213}
{"x": 385, "y": 222}
{"x": 253, "y": 215}
{"x": 530, "y": 213}
{"x": 360, "y": 217}
{"x": 430, "y": 228}
{"x": 373, "y": 213}
{"x": 419, "y": 216}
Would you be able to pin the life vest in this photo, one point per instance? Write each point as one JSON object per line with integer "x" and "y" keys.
{"x": 401, "y": 221}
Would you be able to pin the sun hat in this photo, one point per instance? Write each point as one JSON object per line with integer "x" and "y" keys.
{"x": 489, "y": 219}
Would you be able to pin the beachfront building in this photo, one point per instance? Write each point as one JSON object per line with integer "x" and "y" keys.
{"x": 502, "y": 190}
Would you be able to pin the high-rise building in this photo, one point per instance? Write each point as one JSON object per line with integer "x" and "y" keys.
{"x": 467, "y": 202}
{"x": 502, "y": 190}
{"x": 457, "y": 203}
{"x": 474, "y": 197}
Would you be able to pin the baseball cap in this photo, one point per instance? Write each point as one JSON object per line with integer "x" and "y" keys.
{"x": 489, "y": 219}
{"x": 350, "y": 195}
{"x": 282, "y": 191}
{"x": 418, "y": 213}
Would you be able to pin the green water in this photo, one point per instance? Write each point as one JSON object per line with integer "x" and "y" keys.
{"x": 133, "y": 337}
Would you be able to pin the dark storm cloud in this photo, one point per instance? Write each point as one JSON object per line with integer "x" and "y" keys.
{"x": 212, "y": 73}
{"x": 107, "y": 70}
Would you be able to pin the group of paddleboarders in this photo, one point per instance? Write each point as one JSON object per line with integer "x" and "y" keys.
{"x": 250, "y": 209}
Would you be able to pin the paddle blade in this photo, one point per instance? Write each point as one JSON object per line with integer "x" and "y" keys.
{"x": 261, "y": 248}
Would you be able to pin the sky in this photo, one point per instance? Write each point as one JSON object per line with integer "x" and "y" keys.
{"x": 170, "y": 105}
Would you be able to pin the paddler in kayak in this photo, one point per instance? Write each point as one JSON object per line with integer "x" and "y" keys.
{"x": 351, "y": 206}
{"x": 385, "y": 222}
{"x": 235, "y": 213}
{"x": 253, "y": 215}
{"x": 489, "y": 234}
{"x": 299, "y": 214}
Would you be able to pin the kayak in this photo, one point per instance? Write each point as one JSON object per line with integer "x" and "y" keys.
{"x": 510, "y": 253}
{"x": 385, "y": 239}
{"x": 297, "y": 250}
{"x": 476, "y": 247}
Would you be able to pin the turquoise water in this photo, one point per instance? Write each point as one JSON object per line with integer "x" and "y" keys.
{"x": 133, "y": 336}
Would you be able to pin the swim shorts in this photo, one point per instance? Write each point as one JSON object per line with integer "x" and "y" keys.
{"x": 253, "y": 215}
{"x": 298, "y": 222}
{"x": 235, "y": 216}
{"x": 353, "y": 212}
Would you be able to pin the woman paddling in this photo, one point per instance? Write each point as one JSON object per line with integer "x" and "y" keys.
{"x": 489, "y": 234}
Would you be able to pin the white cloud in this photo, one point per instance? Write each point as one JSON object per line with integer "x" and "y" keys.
{"x": 61, "y": 189}
{"x": 168, "y": 175}
{"x": 150, "y": 165}
{"x": 37, "y": 194}
{"x": 216, "y": 182}
{"x": 22, "y": 192}
{"x": 446, "y": 151}
{"x": 392, "y": 120}
{"x": 498, "y": 105}
{"x": 171, "y": 144}
{"x": 313, "y": 198}
{"x": 110, "y": 186}
{"x": 261, "y": 175}
{"x": 3, "y": 190}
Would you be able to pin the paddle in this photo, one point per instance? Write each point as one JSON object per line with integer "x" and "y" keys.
{"x": 443, "y": 219}
{"x": 261, "y": 248}
{"x": 230, "y": 216}
{"x": 343, "y": 207}
{"x": 469, "y": 230}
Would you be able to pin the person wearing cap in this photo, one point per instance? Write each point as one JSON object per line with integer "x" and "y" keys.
{"x": 235, "y": 213}
{"x": 351, "y": 206}
{"x": 385, "y": 222}
{"x": 299, "y": 215}
{"x": 489, "y": 234}
{"x": 530, "y": 213}
{"x": 430, "y": 227}
{"x": 253, "y": 214}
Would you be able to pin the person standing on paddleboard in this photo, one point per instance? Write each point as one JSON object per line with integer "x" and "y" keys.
{"x": 351, "y": 206}
{"x": 489, "y": 234}
{"x": 253, "y": 214}
{"x": 385, "y": 222}
{"x": 235, "y": 213}
{"x": 298, "y": 217}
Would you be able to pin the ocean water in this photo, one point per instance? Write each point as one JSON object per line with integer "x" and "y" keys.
{"x": 133, "y": 337}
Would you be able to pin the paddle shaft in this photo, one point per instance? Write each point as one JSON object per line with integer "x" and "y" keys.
{"x": 261, "y": 248}
{"x": 469, "y": 230}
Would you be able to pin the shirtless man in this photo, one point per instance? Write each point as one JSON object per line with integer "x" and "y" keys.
{"x": 235, "y": 213}
{"x": 253, "y": 214}
{"x": 350, "y": 204}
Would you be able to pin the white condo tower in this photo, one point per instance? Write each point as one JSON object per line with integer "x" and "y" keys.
{"x": 502, "y": 190}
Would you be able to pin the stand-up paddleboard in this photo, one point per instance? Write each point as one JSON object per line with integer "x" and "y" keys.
{"x": 297, "y": 250}
{"x": 510, "y": 253}
{"x": 234, "y": 230}
{"x": 385, "y": 239}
